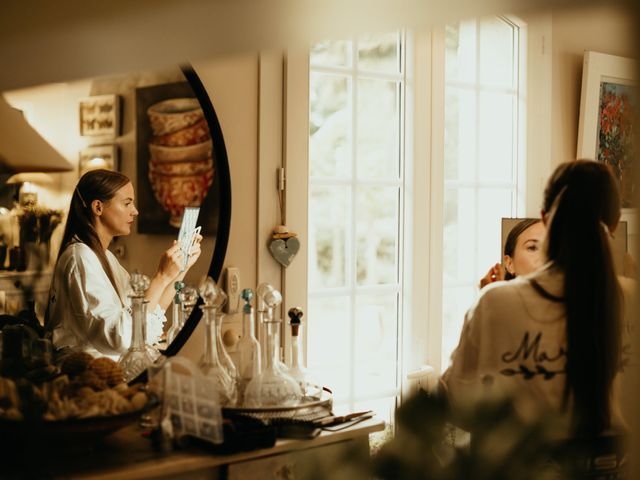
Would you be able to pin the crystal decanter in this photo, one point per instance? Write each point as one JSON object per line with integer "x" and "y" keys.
{"x": 136, "y": 359}
{"x": 210, "y": 365}
{"x": 273, "y": 387}
{"x": 177, "y": 320}
{"x": 267, "y": 300}
{"x": 310, "y": 388}
{"x": 249, "y": 364}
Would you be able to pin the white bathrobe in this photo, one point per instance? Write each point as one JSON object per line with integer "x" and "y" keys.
{"x": 85, "y": 311}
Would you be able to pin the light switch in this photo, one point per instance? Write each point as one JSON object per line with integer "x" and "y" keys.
{"x": 232, "y": 289}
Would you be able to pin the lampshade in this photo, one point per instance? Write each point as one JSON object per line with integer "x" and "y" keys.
{"x": 31, "y": 177}
{"x": 22, "y": 149}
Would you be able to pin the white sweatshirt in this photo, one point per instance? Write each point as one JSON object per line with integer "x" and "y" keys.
{"x": 515, "y": 340}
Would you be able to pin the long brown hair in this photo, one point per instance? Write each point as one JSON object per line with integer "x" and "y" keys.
{"x": 94, "y": 185}
{"x": 583, "y": 205}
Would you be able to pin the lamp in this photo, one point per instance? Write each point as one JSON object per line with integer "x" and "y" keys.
{"x": 28, "y": 190}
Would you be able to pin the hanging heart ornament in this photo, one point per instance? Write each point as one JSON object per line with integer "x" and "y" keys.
{"x": 283, "y": 247}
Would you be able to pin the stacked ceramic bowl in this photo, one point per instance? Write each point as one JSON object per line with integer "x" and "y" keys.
{"x": 180, "y": 161}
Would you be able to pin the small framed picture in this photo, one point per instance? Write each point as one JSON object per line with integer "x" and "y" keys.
{"x": 98, "y": 156}
{"x": 100, "y": 116}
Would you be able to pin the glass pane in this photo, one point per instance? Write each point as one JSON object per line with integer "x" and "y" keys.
{"x": 377, "y": 228}
{"x": 496, "y": 53}
{"x": 378, "y": 130}
{"x": 459, "y": 241}
{"x": 329, "y": 126}
{"x": 460, "y": 134}
{"x": 379, "y": 53}
{"x": 376, "y": 344}
{"x": 460, "y": 52}
{"x": 329, "y": 343}
{"x": 496, "y": 150}
{"x": 331, "y": 53}
{"x": 493, "y": 204}
{"x": 455, "y": 303}
{"x": 328, "y": 229}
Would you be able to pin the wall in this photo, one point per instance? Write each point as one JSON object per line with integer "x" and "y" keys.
{"x": 603, "y": 29}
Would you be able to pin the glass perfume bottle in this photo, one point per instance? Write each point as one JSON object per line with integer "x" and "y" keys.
{"x": 310, "y": 389}
{"x": 210, "y": 365}
{"x": 189, "y": 298}
{"x": 273, "y": 387}
{"x": 249, "y": 364}
{"x": 177, "y": 320}
{"x": 136, "y": 359}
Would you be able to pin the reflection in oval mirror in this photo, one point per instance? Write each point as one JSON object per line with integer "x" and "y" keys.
{"x": 160, "y": 130}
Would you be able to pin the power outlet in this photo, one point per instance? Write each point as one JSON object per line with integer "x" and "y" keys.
{"x": 232, "y": 288}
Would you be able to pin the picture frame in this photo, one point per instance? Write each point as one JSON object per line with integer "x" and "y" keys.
{"x": 172, "y": 170}
{"x": 99, "y": 115}
{"x": 605, "y": 130}
{"x": 98, "y": 156}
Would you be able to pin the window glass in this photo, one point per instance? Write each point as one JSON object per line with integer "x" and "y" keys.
{"x": 331, "y": 54}
{"x": 329, "y": 126}
{"x": 379, "y": 53}
{"x": 378, "y": 130}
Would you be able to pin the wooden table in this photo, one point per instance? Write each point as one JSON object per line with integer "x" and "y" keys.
{"x": 128, "y": 455}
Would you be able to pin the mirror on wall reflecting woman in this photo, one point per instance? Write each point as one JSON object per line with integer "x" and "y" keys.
{"x": 160, "y": 129}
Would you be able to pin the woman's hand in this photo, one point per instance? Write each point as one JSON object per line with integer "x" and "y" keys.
{"x": 195, "y": 251}
{"x": 494, "y": 274}
{"x": 170, "y": 263}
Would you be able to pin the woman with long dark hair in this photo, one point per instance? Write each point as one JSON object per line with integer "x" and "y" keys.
{"x": 556, "y": 336}
{"x": 88, "y": 308}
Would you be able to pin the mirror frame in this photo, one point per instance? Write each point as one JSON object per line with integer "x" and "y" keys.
{"x": 221, "y": 169}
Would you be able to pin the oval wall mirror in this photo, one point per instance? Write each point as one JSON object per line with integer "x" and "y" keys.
{"x": 161, "y": 164}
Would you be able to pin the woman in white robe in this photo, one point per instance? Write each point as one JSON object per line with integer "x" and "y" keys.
{"x": 88, "y": 307}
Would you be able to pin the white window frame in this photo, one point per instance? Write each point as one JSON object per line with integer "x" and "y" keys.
{"x": 420, "y": 340}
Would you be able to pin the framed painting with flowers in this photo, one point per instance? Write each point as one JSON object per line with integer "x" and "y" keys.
{"x": 607, "y": 105}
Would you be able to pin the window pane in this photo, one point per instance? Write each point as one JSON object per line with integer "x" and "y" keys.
{"x": 496, "y": 53}
{"x": 329, "y": 343}
{"x": 460, "y": 52}
{"x": 460, "y": 134}
{"x": 459, "y": 241}
{"x": 329, "y": 126}
{"x": 379, "y": 53}
{"x": 496, "y": 150}
{"x": 455, "y": 303}
{"x": 376, "y": 335}
{"x": 378, "y": 129}
{"x": 377, "y": 234}
{"x": 493, "y": 204}
{"x": 328, "y": 213}
{"x": 331, "y": 53}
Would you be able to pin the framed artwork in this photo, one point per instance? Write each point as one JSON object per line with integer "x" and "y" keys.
{"x": 175, "y": 160}
{"x": 98, "y": 156}
{"x": 607, "y": 104}
{"x": 100, "y": 116}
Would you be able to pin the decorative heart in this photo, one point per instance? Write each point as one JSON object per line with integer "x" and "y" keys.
{"x": 283, "y": 250}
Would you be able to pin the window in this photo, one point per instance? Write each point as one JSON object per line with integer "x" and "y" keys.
{"x": 483, "y": 158}
{"x": 356, "y": 98}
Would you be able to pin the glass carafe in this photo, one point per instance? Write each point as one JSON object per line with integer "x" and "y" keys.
{"x": 177, "y": 319}
{"x": 310, "y": 388}
{"x": 273, "y": 387}
{"x": 137, "y": 358}
{"x": 223, "y": 355}
{"x": 249, "y": 361}
{"x": 267, "y": 300}
{"x": 210, "y": 364}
